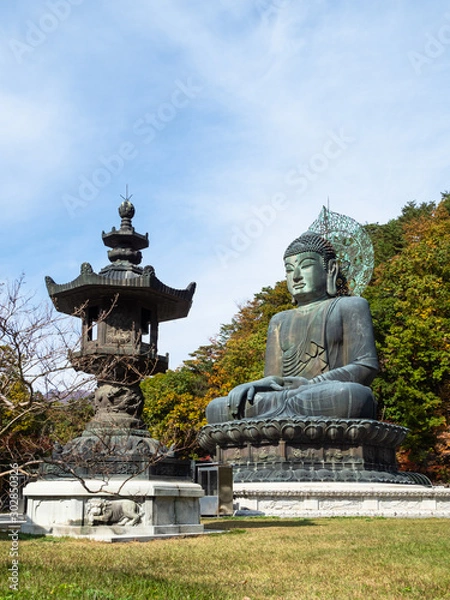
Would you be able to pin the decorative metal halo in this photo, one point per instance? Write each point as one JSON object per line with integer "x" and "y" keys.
{"x": 352, "y": 244}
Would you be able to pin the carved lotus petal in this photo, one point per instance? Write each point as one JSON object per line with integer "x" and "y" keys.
{"x": 335, "y": 432}
{"x": 325, "y": 475}
{"x": 205, "y": 441}
{"x": 369, "y": 475}
{"x": 218, "y": 436}
{"x": 252, "y": 433}
{"x": 355, "y": 433}
{"x": 264, "y": 475}
{"x": 387, "y": 433}
{"x": 402, "y": 432}
{"x": 272, "y": 430}
{"x": 244, "y": 475}
{"x": 366, "y": 425}
{"x": 282, "y": 475}
{"x": 391, "y": 436}
{"x": 260, "y": 424}
{"x": 291, "y": 430}
{"x": 385, "y": 477}
{"x": 302, "y": 475}
{"x": 235, "y": 434}
{"x": 314, "y": 431}
{"x": 374, "y": 432}
{"x": 346, "y": 475}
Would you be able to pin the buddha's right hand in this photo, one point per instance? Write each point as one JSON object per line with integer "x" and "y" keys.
{"x": 246, "y": 393}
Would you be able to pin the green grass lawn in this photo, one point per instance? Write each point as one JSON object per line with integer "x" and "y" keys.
{"x": 255, "y": 559}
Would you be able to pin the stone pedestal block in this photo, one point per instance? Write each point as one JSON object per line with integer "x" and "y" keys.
{"x": 314, "y": 449}
{"x": 116, "y": 510}
{"x": 311, "y": 500}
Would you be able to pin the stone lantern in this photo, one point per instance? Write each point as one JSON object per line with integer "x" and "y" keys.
{"x": 115, "y": 481}
{"x": 120, "y": 308}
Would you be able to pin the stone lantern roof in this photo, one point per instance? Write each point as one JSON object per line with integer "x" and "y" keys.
{"x": 122, "y": 276}
{"x": 119, "y": 306}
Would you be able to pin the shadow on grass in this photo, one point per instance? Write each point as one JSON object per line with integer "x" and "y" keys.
{"x": 22, "y": 536}
{"x": 228, "y": 523}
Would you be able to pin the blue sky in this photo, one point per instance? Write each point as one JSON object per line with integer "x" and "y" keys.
{"x": 231, "y": 121}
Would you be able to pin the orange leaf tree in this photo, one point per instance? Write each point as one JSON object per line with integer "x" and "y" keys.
{"x": 409, "y": 299}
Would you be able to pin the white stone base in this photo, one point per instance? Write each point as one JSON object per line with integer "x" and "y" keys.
{"x": 168, "y": 508}
{"x": 342, "y": 499}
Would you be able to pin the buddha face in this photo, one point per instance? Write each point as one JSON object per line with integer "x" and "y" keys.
{"x": 306, "y": 277}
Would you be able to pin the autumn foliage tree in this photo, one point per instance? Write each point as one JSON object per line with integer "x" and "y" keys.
{"x": 390, "y": 239}
{"x": 409, "y": 299}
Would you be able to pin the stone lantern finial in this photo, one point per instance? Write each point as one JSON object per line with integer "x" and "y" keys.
{"x": 126, "y": 213}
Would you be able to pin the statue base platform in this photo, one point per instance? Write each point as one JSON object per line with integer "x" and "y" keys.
{"x": 313, "y": 500}
{"x": 309, "y": 449}
{"x": 117, "y": 509}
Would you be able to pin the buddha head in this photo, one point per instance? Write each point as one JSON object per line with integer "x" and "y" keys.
{"x": 312, "y": 270}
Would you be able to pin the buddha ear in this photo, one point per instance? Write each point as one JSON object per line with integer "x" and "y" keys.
{"x": 332, "y": 273}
